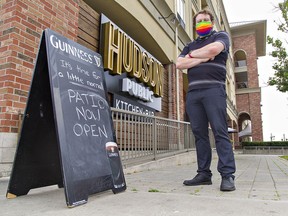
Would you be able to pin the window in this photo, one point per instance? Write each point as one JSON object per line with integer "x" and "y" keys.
{"x": 181, "y": 12}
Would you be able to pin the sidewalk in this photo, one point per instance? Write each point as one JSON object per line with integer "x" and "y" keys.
{"x": 261, "y": 190}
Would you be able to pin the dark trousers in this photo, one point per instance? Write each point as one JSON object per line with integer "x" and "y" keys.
{"x": 205, "y": 106}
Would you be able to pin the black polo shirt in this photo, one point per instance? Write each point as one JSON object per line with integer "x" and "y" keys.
{"x": 212, "y": 73}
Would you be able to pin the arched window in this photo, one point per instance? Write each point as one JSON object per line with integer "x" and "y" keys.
{"x": 241, "y": 75}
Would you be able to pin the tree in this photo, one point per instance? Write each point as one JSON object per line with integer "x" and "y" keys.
{"x": 280, "y": 79}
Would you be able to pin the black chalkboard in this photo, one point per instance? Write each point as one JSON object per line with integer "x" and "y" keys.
{"x": 67, "y": 135}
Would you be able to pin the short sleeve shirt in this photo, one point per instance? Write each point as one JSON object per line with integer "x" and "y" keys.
{"x": 212, "y": 73}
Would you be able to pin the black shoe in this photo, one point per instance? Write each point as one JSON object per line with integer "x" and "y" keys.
{"x": 227, "y": 184}
{"x": 198, "y": 180}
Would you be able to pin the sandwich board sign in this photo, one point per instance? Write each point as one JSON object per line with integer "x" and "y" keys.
{"x": 67, "y": 136}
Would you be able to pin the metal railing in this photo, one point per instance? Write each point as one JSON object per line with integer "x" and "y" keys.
{"x": 241, "y": 85}
{"x": 142, "y": 138}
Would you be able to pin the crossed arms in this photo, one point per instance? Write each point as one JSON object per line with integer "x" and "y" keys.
{"x": 203, "y": 54}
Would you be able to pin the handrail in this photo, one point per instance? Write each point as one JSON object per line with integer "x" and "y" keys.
{"x": 143, "y": 138}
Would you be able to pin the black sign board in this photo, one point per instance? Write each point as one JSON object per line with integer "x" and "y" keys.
{"x": 67, "y": 135}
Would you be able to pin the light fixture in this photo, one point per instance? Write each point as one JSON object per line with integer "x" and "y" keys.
{"x": 172, "y": 20}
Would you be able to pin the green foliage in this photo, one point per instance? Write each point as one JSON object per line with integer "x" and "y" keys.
{"x": 153, "y": 190}
{"x": 280, "y": 79}
{"x": 272, "y": 143}
{"x": 284, "y": 157}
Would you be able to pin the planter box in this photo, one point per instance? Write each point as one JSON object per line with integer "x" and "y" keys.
{"x": 267, "y": 150}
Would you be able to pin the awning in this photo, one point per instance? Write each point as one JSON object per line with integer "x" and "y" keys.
{"x": 247, "y": 131}
{"x": 232, "y": 130}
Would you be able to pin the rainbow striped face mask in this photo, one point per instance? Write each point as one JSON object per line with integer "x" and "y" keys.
{"x": 204, "y": 28}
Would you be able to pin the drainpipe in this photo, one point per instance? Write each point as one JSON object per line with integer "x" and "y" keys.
{"x": 177, "y": 71}
{"x": 177, "y": 77}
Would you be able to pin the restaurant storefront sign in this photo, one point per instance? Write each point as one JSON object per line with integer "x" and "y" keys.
{"x": 130, "y": 71}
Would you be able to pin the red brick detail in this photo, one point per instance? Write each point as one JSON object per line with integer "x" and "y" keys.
{"x": 250, "y": 102}
{"x": 22, "y": 24}
{"x": 169, "y": 99}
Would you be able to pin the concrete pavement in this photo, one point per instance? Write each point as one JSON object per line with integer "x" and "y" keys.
{"x": 156, "y": 189}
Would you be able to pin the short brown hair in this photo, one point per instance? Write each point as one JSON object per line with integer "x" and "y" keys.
{"x": 207, "y": 12}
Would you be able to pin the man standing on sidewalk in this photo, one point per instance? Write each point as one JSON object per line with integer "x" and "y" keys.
{"x": 205, "y": 58}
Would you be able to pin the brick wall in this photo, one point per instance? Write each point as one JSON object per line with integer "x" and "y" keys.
{"x": 250, "y": 102}
{"x": 170, "y": 102}
{"x": 21, "y": 26}
{"x": 256, "y": 116}
{"x": 248, "y": 43}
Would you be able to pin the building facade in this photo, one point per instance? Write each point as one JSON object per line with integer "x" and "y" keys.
{"x": 249, "y": 39}
{"x": 157, "y": 29}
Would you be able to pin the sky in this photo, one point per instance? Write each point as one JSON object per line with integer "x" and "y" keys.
{"x": 274, "y": 103}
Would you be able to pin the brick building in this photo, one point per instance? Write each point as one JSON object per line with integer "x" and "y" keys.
{"x": 249, "y": 43}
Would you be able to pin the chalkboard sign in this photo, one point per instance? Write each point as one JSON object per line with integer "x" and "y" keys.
{"x": 67, "y": 136}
